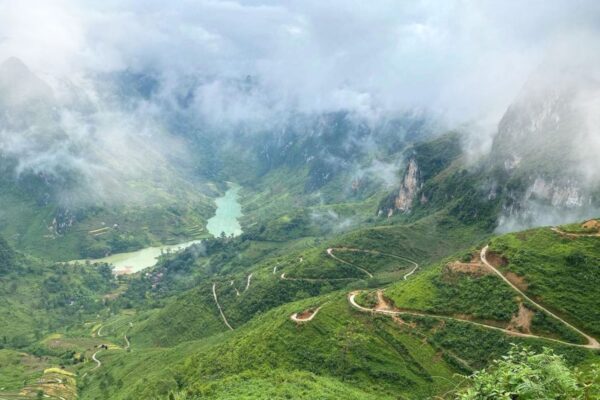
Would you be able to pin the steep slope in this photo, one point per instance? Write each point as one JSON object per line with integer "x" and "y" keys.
{"x": 541, "y": 169}
{"x": 559, "y": 270}
{"x": 338, "y": 346}
{"x": 81, "y": 178}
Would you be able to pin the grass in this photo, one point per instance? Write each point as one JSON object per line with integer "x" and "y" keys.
{"x": 483, "y": 298}
{"x": 342, "y": 348}
{"x": 561, "y": 272}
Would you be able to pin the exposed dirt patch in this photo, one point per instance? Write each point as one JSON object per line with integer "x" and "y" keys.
{"x": 592, "y": 225}
{"x": 124, "y": 271}
{"x": 517, "y": 280}
{"x": 384, "y": 303}
{"x": 522, "y": 321}
{"x": 497, "y": 260}
{"x": 401, "y": 322}
{"x": 305, "y": 314}
{"x": 471, "y": 268}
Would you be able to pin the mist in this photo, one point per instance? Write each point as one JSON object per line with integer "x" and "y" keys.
{"x": 464, "y": 59}
{"x": 246, "y": 66}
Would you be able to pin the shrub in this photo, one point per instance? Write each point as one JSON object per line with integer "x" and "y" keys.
{"x": 524, "y": 374}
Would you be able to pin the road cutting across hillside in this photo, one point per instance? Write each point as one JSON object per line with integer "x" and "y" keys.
{"x": 592, "y": 342}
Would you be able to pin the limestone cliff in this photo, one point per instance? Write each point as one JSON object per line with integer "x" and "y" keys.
{"x": 408, "y": 188}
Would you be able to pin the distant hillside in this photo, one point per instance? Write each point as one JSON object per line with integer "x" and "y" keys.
{"x": 73, "y": 186}
{"x": 541, "y": 169}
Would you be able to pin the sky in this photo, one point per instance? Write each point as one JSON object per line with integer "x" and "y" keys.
{"x": 464, "y": 60}
{"x": 255, "y": 65}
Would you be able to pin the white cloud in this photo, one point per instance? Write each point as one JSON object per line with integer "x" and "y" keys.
{"x": 465, "y": 59}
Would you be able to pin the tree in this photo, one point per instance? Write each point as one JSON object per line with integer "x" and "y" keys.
{"x": 7, "y": 257}
{"x": 524, "y": 374}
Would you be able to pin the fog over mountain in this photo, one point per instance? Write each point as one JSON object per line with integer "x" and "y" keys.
{"x": 299, "y": 199}
{"x": 464, "y": 59}
{"x": 120, "y": 72}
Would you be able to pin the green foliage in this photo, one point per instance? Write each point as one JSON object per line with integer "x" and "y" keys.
{"x": 37, "y": 297}
{"x": 440, "y": 291}
{"x": 7, "y": 257}
{"x": 561, "y": 272}
{"x": 277, "y": 385}
{"x": 525, "y": 374}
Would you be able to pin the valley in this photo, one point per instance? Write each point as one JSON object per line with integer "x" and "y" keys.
{"x": 344, "y": 288}
{"x": 268, "y": 200}
{"x": 225, "y": 220}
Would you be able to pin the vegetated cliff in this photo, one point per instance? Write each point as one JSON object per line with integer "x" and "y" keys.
{"x": 423, "y": 162}
{"x": 542, "y": 168}
{"x": 546, "y": 142}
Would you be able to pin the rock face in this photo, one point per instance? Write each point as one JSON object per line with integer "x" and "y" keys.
{"x": 567, "y": 195}
{"x": 544, "y": 125}
{"x": 545, "y": 148}
{"x": 403, "y": 199}
{"x": 408, "y": 188}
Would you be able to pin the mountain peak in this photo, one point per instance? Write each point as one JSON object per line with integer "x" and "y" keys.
{"x": 14, "y": 65}
{"x": 18, "y": 84}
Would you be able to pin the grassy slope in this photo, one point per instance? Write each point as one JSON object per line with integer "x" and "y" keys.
{"x": 269, "y": 290}
{"x": 173, "y": 216}
{"x": 561, "y": 272}
{"x": 188, "y": 317}
{"x": 484, "y": 299}
{"x": 369, "y": 356}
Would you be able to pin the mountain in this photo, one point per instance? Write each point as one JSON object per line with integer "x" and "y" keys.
{"x": 76, "y": 184}
{"x": 354, "y": 335}
{"x": 541, "y": 168}
{"x": 369, "y": 265}
{"x": 21, "y": 87}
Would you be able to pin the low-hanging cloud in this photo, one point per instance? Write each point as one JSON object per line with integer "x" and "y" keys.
{"x": 252, "y": 64}
{"x": 87, "y": 148}
{"x": 465, "y": 59}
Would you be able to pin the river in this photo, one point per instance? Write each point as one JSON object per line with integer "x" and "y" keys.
{"x": 225, "y": 220}
{"x": 134, "y": 261}
{"x": 229, "y": 210}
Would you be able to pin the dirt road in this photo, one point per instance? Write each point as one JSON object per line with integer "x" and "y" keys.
{"x": 214, "y": 290}
{"x": 592, "y": 343}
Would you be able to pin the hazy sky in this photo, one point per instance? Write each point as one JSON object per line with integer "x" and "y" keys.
{"x": 464, "y": 59}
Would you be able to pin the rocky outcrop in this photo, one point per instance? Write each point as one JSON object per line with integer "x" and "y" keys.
{"x": 62, "y": 221}
{"x": 545, "y": 152}
{"x": 568, "y": 195}
{"x": 403, "y": 199}
{"x": 546, "y": 201}
{"x": 409, "y": 187}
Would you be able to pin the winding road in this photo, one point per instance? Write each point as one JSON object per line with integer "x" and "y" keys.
{"x": 248, "y": 282}
{"x": 214, "y": 290}
{"x": 330, "y": 253}
{"x": 283, "y": 277}
{"x": 416, "y": 265}
{"x": 99, "y": 331}
{"x": 592, "y": 342}
{"x": 98, "y": 362}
